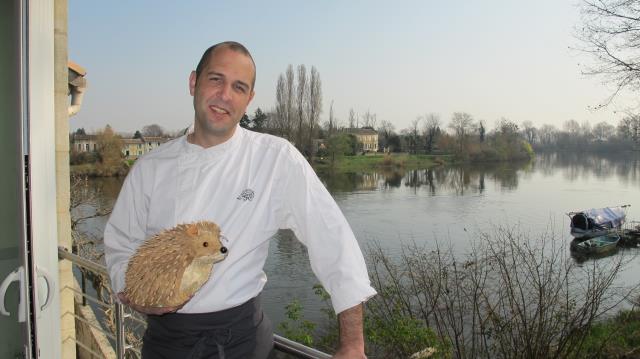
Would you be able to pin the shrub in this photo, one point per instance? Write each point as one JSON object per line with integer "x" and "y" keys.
{"x": 77, "y": 158}
{"x": 296, "y": 327}
{"x": 510, "y": 297}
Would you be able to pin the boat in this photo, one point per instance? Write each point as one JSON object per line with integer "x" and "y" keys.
{"x": 630, "y": 235}
{"x": 597, "y": 245}
{"x": 597, "y": 221}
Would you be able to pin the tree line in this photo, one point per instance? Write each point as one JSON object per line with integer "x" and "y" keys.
{"x": 106, "y": 158}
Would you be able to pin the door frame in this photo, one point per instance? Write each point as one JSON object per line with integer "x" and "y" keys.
{"x": 39, "y": 143}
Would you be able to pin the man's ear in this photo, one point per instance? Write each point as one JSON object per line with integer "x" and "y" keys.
{"x": 192, "y": 83}
{"x": 251, "y": 95}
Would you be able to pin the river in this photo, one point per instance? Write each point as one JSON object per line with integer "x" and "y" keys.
{"x": 444, "y": 205}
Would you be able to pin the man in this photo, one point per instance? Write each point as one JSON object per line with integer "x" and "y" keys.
{"x": 251, "y": 185}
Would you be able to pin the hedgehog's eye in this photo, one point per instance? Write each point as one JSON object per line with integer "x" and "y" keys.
{"x": 205, "y": 244}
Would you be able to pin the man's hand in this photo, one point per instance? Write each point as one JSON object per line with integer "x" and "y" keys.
{"x": 351, "y": 334}
{"x": 147, "y": 310}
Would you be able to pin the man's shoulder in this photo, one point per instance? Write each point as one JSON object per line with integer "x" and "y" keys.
{"x": 168, "y": 150}
{"x": 165, "y": 153}
{"x": 267, "y": 141}
{"x": 276, "y": 147}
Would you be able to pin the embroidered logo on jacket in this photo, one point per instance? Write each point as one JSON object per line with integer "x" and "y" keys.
{"x": 246, "y": 195}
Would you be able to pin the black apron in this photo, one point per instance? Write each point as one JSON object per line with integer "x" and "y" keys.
{"x": 243, "y": 332}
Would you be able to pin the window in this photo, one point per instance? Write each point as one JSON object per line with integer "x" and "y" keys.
{"x": 87, "y": 146}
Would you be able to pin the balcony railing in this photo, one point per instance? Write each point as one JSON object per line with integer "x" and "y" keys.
{"x": 117, "y": 336}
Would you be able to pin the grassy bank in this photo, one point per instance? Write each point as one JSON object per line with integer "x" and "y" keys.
{"x": 376, "y": 161}
{"x": 617, "y": 337}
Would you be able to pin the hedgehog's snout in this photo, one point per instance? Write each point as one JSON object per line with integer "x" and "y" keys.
{"x": 223, "y": 250}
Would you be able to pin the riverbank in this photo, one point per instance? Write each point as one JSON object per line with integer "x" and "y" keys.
{"x": 357, "y": 163}
{"x": 616, "y": 337}
{"x": 381, "y": 161}
{"x": 343, "y": 164}
{"x": 99, "y": 170}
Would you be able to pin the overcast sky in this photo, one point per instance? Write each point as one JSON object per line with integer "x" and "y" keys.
{"x": 399, "y": 60}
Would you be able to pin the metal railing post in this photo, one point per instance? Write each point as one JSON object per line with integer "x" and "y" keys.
{"x": 119, "y": 324}
{"x": 84, "y": 287}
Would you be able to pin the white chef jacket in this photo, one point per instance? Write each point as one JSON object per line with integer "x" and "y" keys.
{"x": 251, "y": 185}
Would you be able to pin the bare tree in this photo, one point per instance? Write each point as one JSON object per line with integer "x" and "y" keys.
{"x": 152, "y": 131}
{"x": 314, "y": 105}
{"x": 506, "y": 126}
{"x": 290, "y": 99}
{"x": 369, "y": 119}
{"x": 332, "y": 125}
{"x": 603, "y": 131}
{"x": 585, "y": 131}
{"x": 281, "y": 121}
{"x": 547, "y": 135}
{"x": 529, "y": 131}
{"x": 385, "y": 131}
{"x": 431, "y": 130}
{"x": 301, "y": 97}
{"x": 413, "y": 135}
{"x": 462, "y": 125}
{"x": 353, "y": 119}
{"x": 298, "y": 106}
{"x": 629, "y": 128}
{"x": 572, "y": 127}
{"x": 610, "y": 34}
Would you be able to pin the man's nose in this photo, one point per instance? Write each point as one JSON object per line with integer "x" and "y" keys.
{"x": 225, "y": 92}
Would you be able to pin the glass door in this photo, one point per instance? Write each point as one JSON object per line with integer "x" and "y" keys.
{"x": 29, "y": 300}
{"x": 15, "y": 321}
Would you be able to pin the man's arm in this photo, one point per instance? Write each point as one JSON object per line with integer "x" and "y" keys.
{"x": 334, "y": 253}
{"x": 351, "y": 334}
{"x": 125, "y": 230}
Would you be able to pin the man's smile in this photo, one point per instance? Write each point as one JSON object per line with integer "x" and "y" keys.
{"x": 217, "y": 109}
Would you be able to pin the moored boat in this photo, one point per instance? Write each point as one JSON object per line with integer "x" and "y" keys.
{"x": 597, "y": 245}
{"x": 596, "y": 221}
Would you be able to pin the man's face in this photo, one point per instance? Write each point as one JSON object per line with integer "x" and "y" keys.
{"x": 221, "y": 94}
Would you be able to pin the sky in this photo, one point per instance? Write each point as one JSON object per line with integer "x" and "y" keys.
{"x": 398, "y": 60}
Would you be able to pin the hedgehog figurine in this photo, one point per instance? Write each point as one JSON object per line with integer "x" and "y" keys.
{"x": 168, "y": 268}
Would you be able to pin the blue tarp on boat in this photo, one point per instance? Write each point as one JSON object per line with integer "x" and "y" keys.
{"x": 597, "y": 219}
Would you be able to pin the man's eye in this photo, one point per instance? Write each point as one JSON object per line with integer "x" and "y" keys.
{"x": 214, "y": 79}
{"x": 241, "y": 89}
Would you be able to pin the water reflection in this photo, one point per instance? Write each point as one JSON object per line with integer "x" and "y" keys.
{"x": 90, "y": 199}
{"x": 573, "y": 166}
{"x": 459, "y": 180}
{"x": 471, "y": 179}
